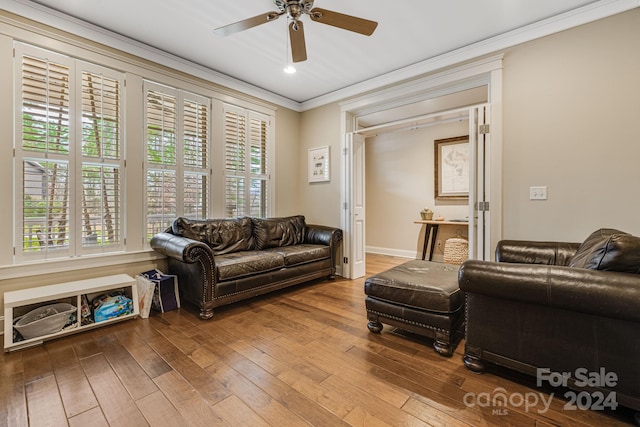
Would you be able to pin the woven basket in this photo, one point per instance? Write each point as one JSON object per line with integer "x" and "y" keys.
{"x": 44, "y": 320}
{"x": 456, "y": 250}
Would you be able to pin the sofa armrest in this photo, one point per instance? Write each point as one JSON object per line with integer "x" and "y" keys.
{"x": 323, "y": 235}
{"x": 181, "y": 248}
{"x": 601, "y": 293}
{"x": 533, "y": 252}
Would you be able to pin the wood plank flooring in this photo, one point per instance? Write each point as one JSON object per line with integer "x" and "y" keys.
{"x": 303, "y": 356}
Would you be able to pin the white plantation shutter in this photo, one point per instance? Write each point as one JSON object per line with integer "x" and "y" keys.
{"x": 161, "y": 117}
{"x": 100, "y": 206}
{"x": 235, "y": 143}
{"x": 45, "y": 207}
{"x": 162, "y": 206}
{"x": 196, "y": 156}
{"x": 258, "y": 164}
{"x": 45, "y": 95}
{"x": 161, "y": 122}
{"x": 43, "y": 151}
{"x": 246, "y": 162}
{"x": 68, "y": 156}
{"x": 177, "y": 158}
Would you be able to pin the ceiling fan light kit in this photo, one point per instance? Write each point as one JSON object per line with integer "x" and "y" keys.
{"x": 295, "y": 9}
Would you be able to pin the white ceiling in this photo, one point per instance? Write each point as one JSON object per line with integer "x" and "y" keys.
{"x": 410, "y": 33}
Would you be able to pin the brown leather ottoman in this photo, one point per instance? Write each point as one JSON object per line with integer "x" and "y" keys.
{"x": 418, "y": 296}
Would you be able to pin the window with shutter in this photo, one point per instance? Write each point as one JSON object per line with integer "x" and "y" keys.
{"x": 69, "y": 174}
{"x": 102, "y": 163}
{"x": 246, "y": 162}
{"x": 196, "y": 154}
{"x": 177, "y": 156}
{"x": 44, "y": 154}
{"x": 258, "y": 163}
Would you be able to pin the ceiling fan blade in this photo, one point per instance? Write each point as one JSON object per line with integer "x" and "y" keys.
{"x": 298, "y": 46}
{"x": 346, "y": 22}
{"x": 247, "y": 23}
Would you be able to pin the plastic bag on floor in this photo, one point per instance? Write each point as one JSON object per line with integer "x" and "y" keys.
{"x": 145, "y": 295}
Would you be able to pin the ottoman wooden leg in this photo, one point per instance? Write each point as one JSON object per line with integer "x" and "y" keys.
{"x": 442, "y": 343}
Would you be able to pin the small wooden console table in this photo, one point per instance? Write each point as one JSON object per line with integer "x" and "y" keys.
{"x": 432, "y": 232}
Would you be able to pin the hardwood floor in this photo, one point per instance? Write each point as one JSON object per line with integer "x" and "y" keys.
{"x": 303, "y": 356}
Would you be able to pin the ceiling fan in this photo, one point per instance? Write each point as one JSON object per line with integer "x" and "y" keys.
{"x": 295, "y": 9}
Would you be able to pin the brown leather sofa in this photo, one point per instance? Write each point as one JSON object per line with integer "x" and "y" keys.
{"x": 220, "y": 261}
{"x": 568, "y": 307}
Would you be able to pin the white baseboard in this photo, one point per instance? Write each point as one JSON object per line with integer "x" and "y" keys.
{"x": 391, "y": 252}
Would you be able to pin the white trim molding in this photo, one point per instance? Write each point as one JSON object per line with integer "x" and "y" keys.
{"x": 401, "y": 253}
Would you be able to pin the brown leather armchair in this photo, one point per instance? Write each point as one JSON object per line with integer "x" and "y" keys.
{"x": 568, "y": 307}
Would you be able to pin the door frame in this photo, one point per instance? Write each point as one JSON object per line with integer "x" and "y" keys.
{"x": 487, "y": 71}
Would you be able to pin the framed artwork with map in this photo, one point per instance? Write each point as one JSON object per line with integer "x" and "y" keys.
{"x": 452, "y": 168}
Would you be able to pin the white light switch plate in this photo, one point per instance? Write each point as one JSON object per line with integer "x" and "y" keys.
{"x": 538, "y": 193}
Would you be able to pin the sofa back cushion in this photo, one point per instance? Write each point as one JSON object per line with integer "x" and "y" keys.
{"x": 276, "y": 232}
{"x": 609, "y": 249}
{"x": 221, "y": 235}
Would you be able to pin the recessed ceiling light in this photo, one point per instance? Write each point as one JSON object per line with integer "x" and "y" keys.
{"x": 289, "y": 69}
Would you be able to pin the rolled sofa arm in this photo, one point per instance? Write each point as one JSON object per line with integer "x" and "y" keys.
{"x": 602, "y": 293}
{"x": 533, "y": 252}
{"x": 181, "y": 248}
{"x": 323, "y": 235}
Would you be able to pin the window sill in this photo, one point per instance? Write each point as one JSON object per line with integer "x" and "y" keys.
{"x": 78, "y": 263}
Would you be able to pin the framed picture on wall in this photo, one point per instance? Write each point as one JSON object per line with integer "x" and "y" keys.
{"x": 452, "y": 168}
{"x": 318, "y": 169}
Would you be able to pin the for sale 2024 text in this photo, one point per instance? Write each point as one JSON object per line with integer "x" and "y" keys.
{"x": 582, "y": 377}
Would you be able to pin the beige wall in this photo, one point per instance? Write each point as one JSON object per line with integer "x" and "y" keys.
{"x": 320, "y": 201}
{"x": 572, "y": 123}
{"x": 400, "y": 183}
{"x": 287, "y": 166}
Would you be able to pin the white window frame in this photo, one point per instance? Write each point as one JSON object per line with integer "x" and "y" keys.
{"x": 74, "y": 159}
{"x": 179, "y": 169}
{"x": 246, "y": 174}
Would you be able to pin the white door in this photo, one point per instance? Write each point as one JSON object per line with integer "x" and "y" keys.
{"x": 354, "y": 207}
{"x": 479, "y": 186}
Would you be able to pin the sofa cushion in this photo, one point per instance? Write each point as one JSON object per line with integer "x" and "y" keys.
{"x": 221, "y": 235}
{"x": 246, "y": 263}
{"x": 609, "y": 249}
{"x": 302, "y": 254}
{"x": 276, "y": 232}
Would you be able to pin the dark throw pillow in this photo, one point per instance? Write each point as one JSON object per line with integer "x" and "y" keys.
{"x": 221, "y": 235}
{"x": 609, "y": 250}
{"x": 276, "y": 232}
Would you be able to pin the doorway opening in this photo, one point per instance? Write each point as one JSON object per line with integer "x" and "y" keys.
{"x": 449, "y": 102}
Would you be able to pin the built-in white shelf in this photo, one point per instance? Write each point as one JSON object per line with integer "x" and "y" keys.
{"x": 20, "y": 302}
